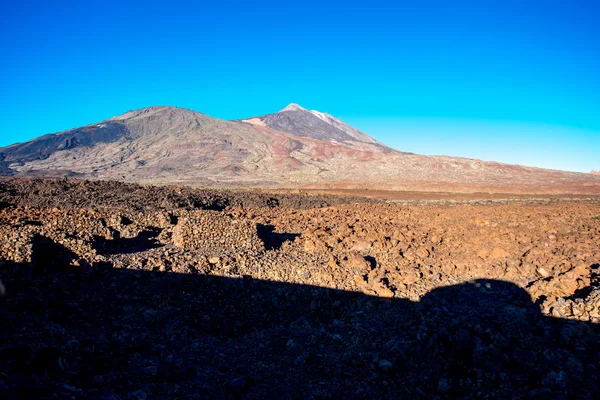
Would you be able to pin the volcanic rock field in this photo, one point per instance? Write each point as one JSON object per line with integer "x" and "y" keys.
{"x": 120, "y": 291}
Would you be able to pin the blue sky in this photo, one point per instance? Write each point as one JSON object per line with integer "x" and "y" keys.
{"x": 511, "y": 81}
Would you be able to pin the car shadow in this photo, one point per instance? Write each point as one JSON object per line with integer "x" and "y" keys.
{"x": 119, "y": 333}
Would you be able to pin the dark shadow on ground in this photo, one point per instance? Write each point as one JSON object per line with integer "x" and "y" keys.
{"x": 49, "y": 257}
{"x": 271, "y": 239}
{"x": 118, "y": 334}
{"x": 145, "y": 240}
{"x": 594, "y": 283}
{"x": 372, "y": 261}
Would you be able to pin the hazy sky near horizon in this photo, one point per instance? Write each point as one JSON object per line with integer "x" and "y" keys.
{"x": 510, "y": 81}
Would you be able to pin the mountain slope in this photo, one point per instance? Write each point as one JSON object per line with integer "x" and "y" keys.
{"x": 301, "y": 122}
{"x": 159, "y": 141}
{"x": 174, "y": 145}
{"x": 292, "y": 148}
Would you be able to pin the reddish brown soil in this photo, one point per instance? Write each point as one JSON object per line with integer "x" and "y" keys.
{"x": 401, "y": 196}
{"x": 423, "y": 188}
{"x": 121, "y": 291}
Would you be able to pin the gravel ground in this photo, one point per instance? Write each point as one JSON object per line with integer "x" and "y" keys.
{"x": 117, "y": 291}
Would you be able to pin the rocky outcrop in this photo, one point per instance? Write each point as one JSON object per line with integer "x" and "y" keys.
{"x": 215, "y": 233}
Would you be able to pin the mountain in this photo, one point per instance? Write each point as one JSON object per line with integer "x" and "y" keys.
{"x": 313, "y": 124}
{"x": 594, "y": 172}
{"x": 294, "y": 147}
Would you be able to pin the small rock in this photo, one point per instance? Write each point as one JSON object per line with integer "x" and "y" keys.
{"x": 443, "y": 386}
{"x": 151, "y": 370}
{"x": 357, "y": 262}
{"x": 543, "y": 272}
{"x": 361, "y": 245}
{"x": 237, "y": 384}
{"x": 138, "y": 395}
{"x": 108, "y": 395}
{"x": 556, "y": 380}
{"x": 385, "y": 364}
{"x": 69, "y": 388}
{"x": 158, "y": 348}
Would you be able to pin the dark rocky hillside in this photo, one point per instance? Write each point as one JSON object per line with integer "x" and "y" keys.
{"x": 44, "y": 146}
{"x": 4, "y": 168}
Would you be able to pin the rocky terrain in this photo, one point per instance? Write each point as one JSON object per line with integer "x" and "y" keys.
{"x": 119, "y": 291}
{"x": 292, "y": 148}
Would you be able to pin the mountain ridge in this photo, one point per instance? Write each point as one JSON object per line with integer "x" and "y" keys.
{"x": 294, "y": 147}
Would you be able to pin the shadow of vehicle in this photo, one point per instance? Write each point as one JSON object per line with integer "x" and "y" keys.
{"x": 116, "y": 334}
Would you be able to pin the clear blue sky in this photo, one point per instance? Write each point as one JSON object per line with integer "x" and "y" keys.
{"x": 512, "y": 81}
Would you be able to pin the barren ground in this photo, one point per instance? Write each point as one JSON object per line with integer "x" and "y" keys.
{"x": 117, "y": 291}
{"x": 449, "y": 198}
